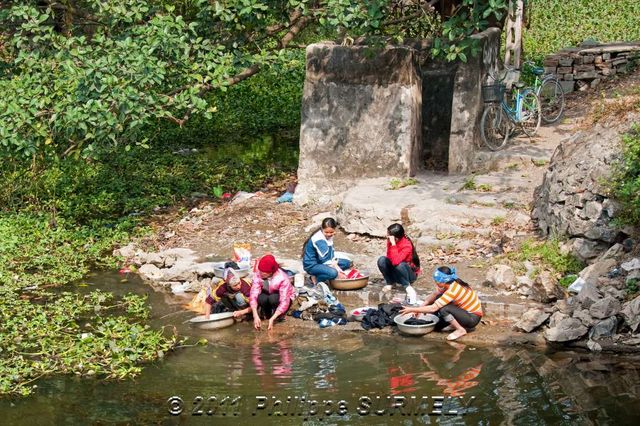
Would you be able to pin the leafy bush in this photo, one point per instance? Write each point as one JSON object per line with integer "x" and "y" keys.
{"x": 626, "y": 182}
{"x": 567, "y": 280}
{"x": 557, "y": 24}
{"x": 119, "y": 183}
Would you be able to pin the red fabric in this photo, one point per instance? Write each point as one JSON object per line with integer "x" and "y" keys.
{"x": 401, "y": 252}
{"x": 354, "y": 273}
{"x": 268, "y": 264}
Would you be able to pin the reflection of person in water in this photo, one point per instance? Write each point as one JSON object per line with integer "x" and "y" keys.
{"x": 280, "y": 370}
{"x": 400, "y": 382}
{"x": 455, "y": 386}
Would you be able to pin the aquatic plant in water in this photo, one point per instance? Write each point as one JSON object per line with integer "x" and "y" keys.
{"x": 42, "y": 333}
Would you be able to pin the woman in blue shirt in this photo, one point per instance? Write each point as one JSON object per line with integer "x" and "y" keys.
{"x": 318, "y": 255}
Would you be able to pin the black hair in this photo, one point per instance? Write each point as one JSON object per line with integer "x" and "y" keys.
{"x": 397, "y": 231}
{"x": 447, "y": 270}
{"x": 327, "y": 222}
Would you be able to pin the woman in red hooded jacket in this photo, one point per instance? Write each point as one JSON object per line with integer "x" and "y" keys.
{"x": 401, "y": 265}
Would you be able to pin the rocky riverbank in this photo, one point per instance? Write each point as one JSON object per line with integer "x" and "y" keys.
{"x": 480, "y": 223}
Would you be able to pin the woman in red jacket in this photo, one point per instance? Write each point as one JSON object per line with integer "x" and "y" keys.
{"x": 401, "y": 264}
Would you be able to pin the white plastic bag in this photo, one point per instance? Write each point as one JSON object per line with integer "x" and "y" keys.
{"x": 577, "y": 285}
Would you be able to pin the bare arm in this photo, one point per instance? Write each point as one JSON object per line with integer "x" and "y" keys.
{"x": 431, "y": 298}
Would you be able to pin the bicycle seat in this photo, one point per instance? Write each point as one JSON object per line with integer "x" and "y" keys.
{"x": 537, "y": 70}
{"x": 519, "y": 85}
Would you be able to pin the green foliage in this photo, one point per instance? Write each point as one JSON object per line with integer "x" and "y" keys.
{"x": 401, "y": 183}
{"x": 632, "y": 287}
{"x": 498, "y": 220}
{"x": 97, "y": 193}
{"x": 59, "y": 222}
{"x": 471, "y": 16}
{"x": 268, "y": 102}
{"x": 549, "y": 255}
{"x": 32, "y": 252}
{"x": 554, "y": 25}
{"x": 469, "y": 183}
{"x": 70, "y": 333}
{"x": 567, "y": 280}
{"x": 484, "y": 187}
{"x": 92, "y": 74}
{"x": 626, "y": 181}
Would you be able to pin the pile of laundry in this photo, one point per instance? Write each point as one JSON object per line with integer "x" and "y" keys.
{"x": 318, "y": 304}
{"x": 381, "y": 317}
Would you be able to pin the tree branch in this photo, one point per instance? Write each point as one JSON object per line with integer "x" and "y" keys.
{"x": 298, "y": 22}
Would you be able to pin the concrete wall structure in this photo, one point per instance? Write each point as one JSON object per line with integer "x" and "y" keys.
{"x": 467, "y": 104}
{"x": 375, "y": 112}
{"x": 360, "y": 117}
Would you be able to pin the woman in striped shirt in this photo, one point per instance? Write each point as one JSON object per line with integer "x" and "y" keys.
{"x": 454, "y": 301}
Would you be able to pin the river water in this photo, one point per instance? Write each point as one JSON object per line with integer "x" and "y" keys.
{"x": 325, "y": 377}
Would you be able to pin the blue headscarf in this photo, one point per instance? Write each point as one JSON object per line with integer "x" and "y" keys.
{"x": 441, "y": 277}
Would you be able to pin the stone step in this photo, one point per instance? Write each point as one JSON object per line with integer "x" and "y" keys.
{"x": 521, "y": 152}
{"x": 433, "y": 206}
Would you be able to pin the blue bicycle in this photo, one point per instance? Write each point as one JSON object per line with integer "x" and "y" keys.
{"x": 501, "y": 118}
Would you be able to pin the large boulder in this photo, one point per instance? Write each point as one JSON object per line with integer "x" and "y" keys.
{"x": 555, "y": 319}
{"x": 632, "y": 265}
{"x": 182, "y": 270}
{"x": 589, "y": 294}
{"x": 566, "y": 330}
{"x": 501, "y": 276}
{"x": 584, "y": 317}
{"x": 605, "y": 308}
{"x": 545, "y": 288}
{"x": 604, "y": 328}
{"x": 531, "y": 320}
{"x": 597, "y": 269}
{"x": 150, "y": 272}
{"x": 631, "y": 313}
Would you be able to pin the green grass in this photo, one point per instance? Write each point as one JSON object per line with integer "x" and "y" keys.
{"x": 469, "y": 183}
{"x": 554, "y": 25}
{"x": 498, "y": 220}
{"x": 548, "y": 254}
{"x": 484, "y": 187}
{"x": 401, "y": 183}
{"x": 567, "y": 280}
{"x": 625, "y": 184}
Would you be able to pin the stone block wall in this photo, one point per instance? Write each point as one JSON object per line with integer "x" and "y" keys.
{"x": 584, "y": 67}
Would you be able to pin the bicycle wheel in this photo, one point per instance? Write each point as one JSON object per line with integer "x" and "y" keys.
{"x": 531, "y": 115}
{"x": 551, "y": 100}
{"x": 494, "y": 127}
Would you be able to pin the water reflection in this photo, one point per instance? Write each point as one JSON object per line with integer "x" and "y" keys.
{"x": 511, "y": 385}
{"x": 275, "y": 370}
{"x": 458, "y": 385}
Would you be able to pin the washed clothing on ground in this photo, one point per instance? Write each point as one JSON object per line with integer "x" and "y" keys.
{"x": 381, "y": 317}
